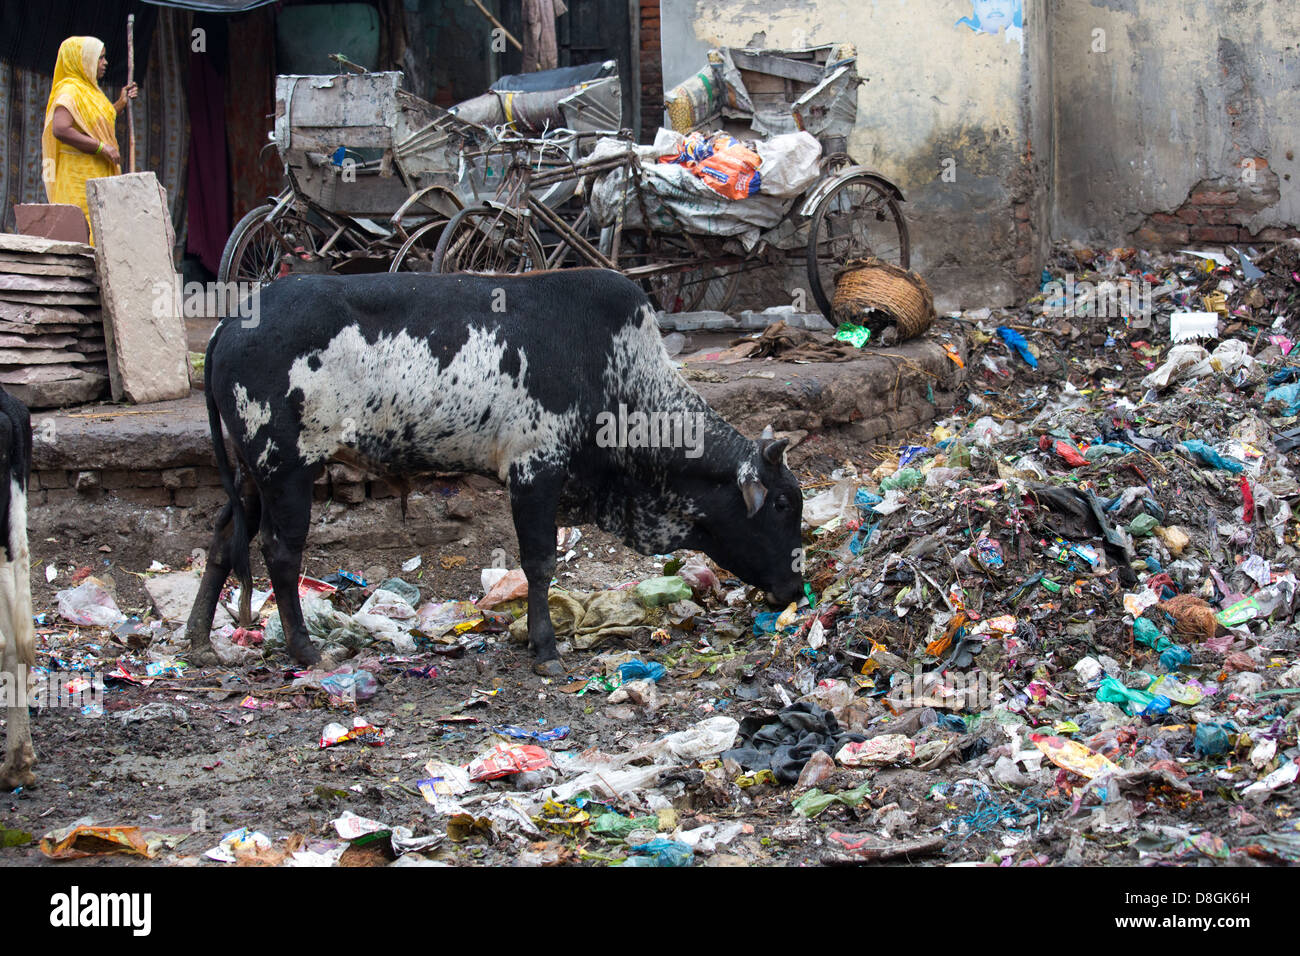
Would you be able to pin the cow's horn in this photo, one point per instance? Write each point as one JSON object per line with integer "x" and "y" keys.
{"x": 767, "y": 433}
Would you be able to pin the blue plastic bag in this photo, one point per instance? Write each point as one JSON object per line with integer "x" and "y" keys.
{"x": 641, "y": 670}
{"x": 1211, "y": 457}
{"x": 661, "y": 852}
{"x": 1017, "y": 341}
{"x": 1289, "y": 394}
{"x": 865, "y": 500}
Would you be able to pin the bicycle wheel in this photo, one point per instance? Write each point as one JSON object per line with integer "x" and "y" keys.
{"x": 484, "y": 239}
{"x": 254, "y": 250}
{"x": 857, "y": 219}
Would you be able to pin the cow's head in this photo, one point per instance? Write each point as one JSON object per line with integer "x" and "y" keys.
{"x": 751, "y": 527}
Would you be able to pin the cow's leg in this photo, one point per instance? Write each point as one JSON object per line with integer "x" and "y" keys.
{"x": 286, "y": 515}
{"x": 532, "y": 505}
{"x": 199, "y": 626}
{"x": 198, "y": 629}
{"x": 18, "y": 654}
{"x": 14, "y": 660}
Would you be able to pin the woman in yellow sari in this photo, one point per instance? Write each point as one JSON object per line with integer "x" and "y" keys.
{"x": 79, "y": 142}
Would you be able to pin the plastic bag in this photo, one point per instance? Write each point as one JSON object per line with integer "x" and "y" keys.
{"x": 661, "y": 852}
{"x": 617, "y": 826}
{"x": 695, "y": 572}
{"x": 89, "y": 604}
{"x": 1288, "y": 395}
{"x": 504, "y": 760}
{"x": 838, "y": 501}
{"x": 706, "y": 739}
{"x": 1178, "y": 361}
{"x": 1016, "y": 341}
{"x": 903, "y": 478}
{"x": 1209, "y": 456}
{"x": 653, "y": 592}
{"x": 722, "y": 162}
{"x": 641, "y": 670}
{"x": 789, "y": 163}
{"x": 512, "y": 587}
{"x": 349, "y": 684}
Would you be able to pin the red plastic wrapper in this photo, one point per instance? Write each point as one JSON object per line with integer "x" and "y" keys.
{"x": 1069, "y": 454}
{"x": 506, "y": 759}
{"x": 308, "y": 585}
{"x": 1247, "y": 501}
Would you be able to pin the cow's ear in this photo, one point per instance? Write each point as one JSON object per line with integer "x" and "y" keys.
{"x": 773, "y": 449}
{"x": 755, "y": 492}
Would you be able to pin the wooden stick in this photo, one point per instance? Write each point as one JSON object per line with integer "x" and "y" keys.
{"x": 130, "y": 72}
{"x": 497, "y": 23}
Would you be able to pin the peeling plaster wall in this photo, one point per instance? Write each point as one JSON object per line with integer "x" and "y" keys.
{"x": 934, "y": 92}
{"x": 1162, "y": 120}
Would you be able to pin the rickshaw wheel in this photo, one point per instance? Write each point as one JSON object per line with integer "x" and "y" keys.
{"x": 253, "y": 253}
{"x": 418, "y": 252}
{"x": 703, "y": 287}
{"x": 486, "y": 239}
{"x": 857, "y": 219}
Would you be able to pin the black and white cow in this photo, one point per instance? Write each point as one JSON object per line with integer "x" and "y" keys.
{"x": 535, "y": 379}
{"x": 17, "y": 635}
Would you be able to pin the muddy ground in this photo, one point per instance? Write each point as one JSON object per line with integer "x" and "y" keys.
{"x": 210, "y": 765}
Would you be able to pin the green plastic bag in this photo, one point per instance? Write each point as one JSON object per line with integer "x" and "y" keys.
{"x": 617, "y": 827}
{"x": 904, "y": 478}
{"x": 1142, "y": 525}
{"x": 654, "y": 592}
{"x": 814, "y": 801}
{"x": 853, "y": 334}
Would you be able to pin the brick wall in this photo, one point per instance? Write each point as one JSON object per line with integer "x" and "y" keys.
{"x": 200, "y": 486}
{"x": 1215, "y": 213}
{"x": 652, "y": 74}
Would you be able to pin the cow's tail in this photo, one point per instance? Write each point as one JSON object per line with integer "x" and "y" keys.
{"x": 238, "y": 552}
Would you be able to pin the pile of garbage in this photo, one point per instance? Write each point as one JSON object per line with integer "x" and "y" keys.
{"x": 1057, "y": 627}
{"x": 1087, "y": 576}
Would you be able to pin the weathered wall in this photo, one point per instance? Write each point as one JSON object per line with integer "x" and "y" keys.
{"x": 947, "y": 112}
{"x": 1177, "y": 123}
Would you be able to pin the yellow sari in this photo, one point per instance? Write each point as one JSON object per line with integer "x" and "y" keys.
{"x": 65, "y": 168}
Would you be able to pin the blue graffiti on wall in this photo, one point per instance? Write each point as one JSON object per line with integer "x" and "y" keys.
{"x": 994, "y": 16}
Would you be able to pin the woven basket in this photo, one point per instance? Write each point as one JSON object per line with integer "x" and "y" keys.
{"x": 876, "y": 294}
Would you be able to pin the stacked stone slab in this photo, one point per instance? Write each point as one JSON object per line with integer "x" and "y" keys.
{"x": 52, "y": 347}
{"x": 142, "y": 316}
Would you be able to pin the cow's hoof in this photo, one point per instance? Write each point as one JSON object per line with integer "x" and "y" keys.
{"x": 308, "y": 656}
{"x": 551, "y": 668}
{"x": 202, "y": 656}
{"x": 12, "y": 777}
